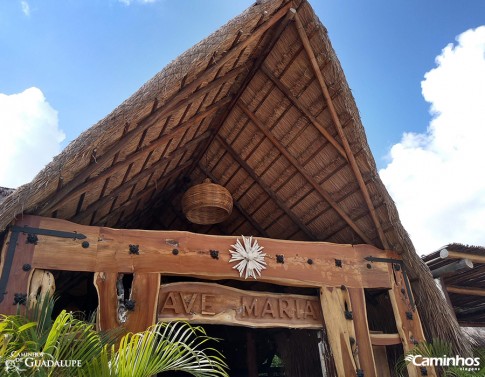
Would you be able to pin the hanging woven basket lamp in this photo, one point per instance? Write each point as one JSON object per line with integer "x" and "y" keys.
{"x": 207, "y": 203}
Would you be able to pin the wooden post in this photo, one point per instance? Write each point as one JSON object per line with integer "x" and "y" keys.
{"x": 144, "y": 294}
{"x": 41, "y": 283}
{"x": 16, "y": 265}
{"x": 364, "y": 346}
{"x": 407, "y": 320}
{"x": 333, "y": 308}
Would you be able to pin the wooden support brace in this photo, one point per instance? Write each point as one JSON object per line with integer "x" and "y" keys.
{"x": 143, "y": 294}
{"x": 363, "y": 338}
{"x": 333, "y": 308}
{"x": 353, "y": 163}
{"x": 42, "y": 283}
{"x": 407, "y": 320}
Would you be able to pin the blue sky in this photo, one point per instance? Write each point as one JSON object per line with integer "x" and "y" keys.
{"x": 86, "y": 56}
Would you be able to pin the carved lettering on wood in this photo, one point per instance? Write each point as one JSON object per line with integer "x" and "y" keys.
{"x": 213, "y": 303}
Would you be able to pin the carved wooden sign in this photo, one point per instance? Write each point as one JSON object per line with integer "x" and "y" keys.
{"x": 211, "y": 303}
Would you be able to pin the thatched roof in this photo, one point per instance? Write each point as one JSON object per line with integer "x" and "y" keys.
{"x": 465, "y": 288}
{"x": 245, "y": 107}
{"x": 4, "y": 192}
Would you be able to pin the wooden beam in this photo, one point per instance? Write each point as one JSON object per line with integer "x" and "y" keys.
{"x": 353, "y": 163}
{"x": 298, "y": 104}
{"x": 237, "y": 205}
{"x": 471, "y": 291}
{"x": 385, "y": 339}
{"x": 265, "y": 188}
{"x": 309, "y": 264}
{"x": 303, "y": 172}
{"x": 459, "y": 265}
{"x": 449, "y": 254}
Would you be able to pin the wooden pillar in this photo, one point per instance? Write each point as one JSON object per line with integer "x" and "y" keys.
{"x": 16, "y": 266}
{"x": 333, "y": 309}
{"x": 362, "y": 335}
{"x": 42, "y": 283}
{"x": 144, "y": 294}
{"x": 407, "y": 319}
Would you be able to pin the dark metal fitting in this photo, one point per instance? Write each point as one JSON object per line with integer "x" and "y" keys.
{"x": 280, "y": 258}
{"x": 338, "y": 263}
{"x": 397, "y": 266}
{"x": 214, "y": 254}
{"x": 20, "y": 298}
{"x": 409, "y": 315}
{"x": 369, "y": 266}
{"x": 32, "y": 239}
{"x": 310, "y": 261}
{"x": 360, "y": 373}
{"x": 135, "y": 249}
{"x": 85, "y": 244}
{"x": 348, "y": 314}
{"x": 26, "y": 267}
{"x": 175, "y": 251}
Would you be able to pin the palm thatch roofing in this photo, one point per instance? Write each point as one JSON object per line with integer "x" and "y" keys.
{"x": 261, "y": 107}
{"x": 464, "y": 288}
{"x": 4, "y": 192}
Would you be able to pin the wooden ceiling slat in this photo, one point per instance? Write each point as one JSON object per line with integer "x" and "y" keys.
{"x": 287, "y": 13}
{"x": 302, "y": 171}
{"x": 135, "y": 179}
{"x": 136, "y": 155}
{"x": 268, "y": 191}
{"x": 355, "y": 168}
{"x": 146, "y": 192}
{"x": 298, "y": 105}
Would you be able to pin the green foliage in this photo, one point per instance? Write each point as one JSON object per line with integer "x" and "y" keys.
{"x": 31, "y": 344}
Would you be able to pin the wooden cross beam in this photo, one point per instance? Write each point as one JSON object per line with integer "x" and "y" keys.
{"x": 353, "y": 163}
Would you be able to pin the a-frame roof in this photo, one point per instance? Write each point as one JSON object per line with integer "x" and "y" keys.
{"x": 261, "y": 107}
{"x": 245, "y": 107}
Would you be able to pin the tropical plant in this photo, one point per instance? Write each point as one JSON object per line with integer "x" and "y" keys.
{"x": 32, "y": 344}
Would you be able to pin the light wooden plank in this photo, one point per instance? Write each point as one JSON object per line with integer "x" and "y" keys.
{"x": 109, "y": 252}
{"x": 466, "y": 290}
{"x": 385, "y": 339}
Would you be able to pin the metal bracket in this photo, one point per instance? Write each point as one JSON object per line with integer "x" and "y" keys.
{"x": 10, "y": 253}
{"x": 395, "y": 263}
{"x": 48, "y": 232}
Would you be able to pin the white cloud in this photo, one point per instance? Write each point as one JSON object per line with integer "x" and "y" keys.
{"x": 30, "y": 136}
{"x": 437, "y": 178}
{"x": 25, "y": 7}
